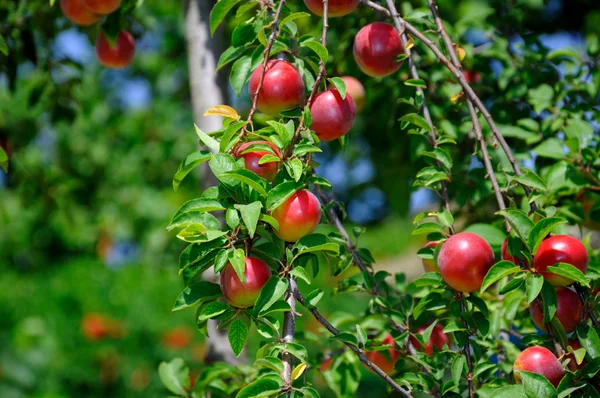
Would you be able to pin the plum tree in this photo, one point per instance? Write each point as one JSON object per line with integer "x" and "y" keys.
{"x": 118, "y": 55}
{"x": 464, "y": 260}
{"x": 386, "y": 363}
{"x": 266, "y": 170}
{"x": 437, "y": 340}
{"x": 336, "y": 8}
{"x": 430, "y": 264}
{"x": 560, "y": 249}
{"x": 102, "y": 7}
{"x": 77, "y": 12}
{"x": 569, "y": 310}
{"x": 298, "y": 216}
{"x": 376, "y": 47}
{"x": 244, "y": 294}
{"x": 356, "y": 89}
{"x": 282, "y": 87}
{"x": 539, "y": 360}
{"x": 332, "y": 115}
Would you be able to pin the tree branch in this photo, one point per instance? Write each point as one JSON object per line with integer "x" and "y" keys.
{"x": 476, "y": 125}
{"x": 467, "y": 348}
{"x": 266, "y": 53}
{"x": 315, "y": 87}
{"x": 356, "y": 350}
{"x": 470, "y": 93}
{"x": 289, "y": 327}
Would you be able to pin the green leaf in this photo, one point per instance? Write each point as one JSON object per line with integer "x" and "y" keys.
{"x": 270, "y": 363}
{"x": 441, "y": 156}
{"x": 175, "y": 376}
{"x": 222, "y": 259}
{"x": 417, "y": 120}
{"x": 184, "y": 169}
{"x": 200, "y": 205}
{"x": 207, "y": 140}
{"x": 314, "y": 297}
{"x": 201, "y": 220}
{"x": 268, "y": 158}
{"x": 264, "y": 387}
{"x": 346, "y": 337}
{"x": 428, "y": 279}
{"x": 240, "y": 72}
{"x": 219, "y": 12}
{"x": 457, "y": 367}
{"x": 537, "y": 385}
{"x": 249, "y": 178}
{"x": 300, "y": 273}
{"x": 362, "y": 335}
{"x": 222, "y": 163}
{"x": 317, "y": 48}
{"x": 270, "y": 220}
{"x": 250, "y": 214}
{"x": 282, "y": 131}
{"x": 534, "y": 284}
{"x": 588, "y": 337}
{"x": 520, "y": 223}
{"x": 212, "y": 310}
{"x": 541, "y": 230}
{"x": 552, "y": 148}
{"x": 293, "y": 17}
{"x": 541, "y": 97}
{"x": 237, "y": 258}
{"x": 197, "y": 292}
{"x": 570, "y": 272}
{"x": 229, "y": 55}
{"x": 232, "y": 218}
{"x": 238, "y": 334}
{"x": 531, "y": 179}
{"x": 427, "y": 228}
{"x": 339, "y": 86}
{"x": 310, "y": 392}
{"x": 280, "y": 194}
{"x": 3, "y": 46}
{"x": 550, "y": 301}
{"x": 315, "y": 243}
{"x": 226, "y": 140}
{"x": 296, "y": 167}
{"x": 416, "y": 83}
{"x": 272, "y": 291}
{"x": 446, "y": 218}
{"x": 513, "y": 391}
{"x": 303, "y": 149}
{"x": 243, "y": 35}
{"x": 498, "y": 271}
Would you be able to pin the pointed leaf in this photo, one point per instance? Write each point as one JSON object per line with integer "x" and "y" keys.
{"x": 238, "y": 334}
{"x": 222, "y": 110}
{"x": 498, "y": 271}
{"x": 250, "y": 214}
{"x": 188, "y": 164}
{"x": 541, "y": 230}
{"x": 207, "y": 140}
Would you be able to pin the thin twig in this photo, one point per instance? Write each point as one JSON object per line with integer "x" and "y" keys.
{"x": 467, "y": 348}
{"x": 476, "y": 125}
{"x": 315, "y": 87}
{"x": 356, "y": 350}
{"x": 289, "y": 327}
{"x": 266, "y": 55}
{"x": 582, "y": 296}
{"x": 461, "y": 80}
{"x": 426, "y": 114}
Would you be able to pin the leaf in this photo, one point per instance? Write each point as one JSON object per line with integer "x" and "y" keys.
{"x": 416, "y": 83}
{"x": 317, "y": 48}
{"x": 293, "y": 17}
{"x": 588, "y": 337}
{"x": 362, "y": 335}
{"x": 272, "y": 291}
{"x": 238, "y": 334}
{"x": 541, "y": 230}
{"x": 314, "y": 297}
{"x": 260, "y": 388}
{"x": 446, "y": 218}
{"x": 417, "y": 120}
{"x": 207, "y": 140}
{"x": 243, "y": 35}
{"x": 212, "y": 310}
{"x": 427, "y": 228}
{"x": 296, "y": 167}
{"x": 240, "y": 71}
{"x": 228, "y": 56}
{"x": 237, "y": 258}
{"x": 203, "y": 221}
{"x": 270, "y": 363}
{"x": 310, "y": 392}
{"x": 550, "y": 301}
{"x": 339, "y": 85}
{"x": 270, "y": 220}
{"x": 232, "y": 218}
{"x": 280, "y": 194}
{"x": 570, "y": 272}
{"x": 222, "y": 110}
{"x": 303, "y": 149}
{"x": 537, "y": 385}
{"x": 249, "y": 178}
{"x": 219, "y": 12}
{"x": 300, "y": 273}
{"x": 513, "y": 391}
{"x": 197, "y": 292}
{"x": 441, "y": 156}
{"x": 315, "y": 243}
{"x": 346, "y": 337}
{"x": 500, "y": 270}
{"x": 552, "y": 148}
{"x": 200, "y": 205}
{"x": 250, "y": 214}
{"x": 298, "y": 370}
{"x": 188, "y": 164}
{"x": 268, "y": 158}
{"x": 534, "y": 284}
{"x": 519, "y": 221}
{"x": 531, "y": 179}
{"x": 175, "y": 376}
{"x": 226, "y": 140}
{"x": 428, "y": 279}
{"x": 282, "y": 132}
{"x": 457, "y": 367}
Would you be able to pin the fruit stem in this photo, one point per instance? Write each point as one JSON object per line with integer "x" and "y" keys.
{"x": 266, "y": 54}
{"x": 317, "y": 315}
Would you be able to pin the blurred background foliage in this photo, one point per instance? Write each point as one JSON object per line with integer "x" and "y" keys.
{"x": 87, "y": 196}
